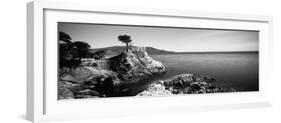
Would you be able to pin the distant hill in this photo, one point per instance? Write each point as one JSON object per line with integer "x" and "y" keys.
{"x": 151, "y": 50}
{"x": 118, "y": 49}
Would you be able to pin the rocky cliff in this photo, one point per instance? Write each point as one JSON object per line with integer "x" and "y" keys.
{"x": 135, "y": 64}
{"x": 107, "y": 77}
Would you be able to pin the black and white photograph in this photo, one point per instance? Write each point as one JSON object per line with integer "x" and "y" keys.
{"x": 110, "y": 60}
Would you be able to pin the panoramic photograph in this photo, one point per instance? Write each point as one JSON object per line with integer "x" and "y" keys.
{"x": 106, "y": 60}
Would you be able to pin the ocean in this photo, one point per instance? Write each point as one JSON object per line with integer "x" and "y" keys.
{"x": 233, "y": 70}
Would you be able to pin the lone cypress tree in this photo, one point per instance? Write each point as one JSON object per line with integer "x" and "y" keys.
{"x": 125, "y": 39}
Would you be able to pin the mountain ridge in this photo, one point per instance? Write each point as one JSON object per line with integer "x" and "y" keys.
{"x": 120, "y": 49}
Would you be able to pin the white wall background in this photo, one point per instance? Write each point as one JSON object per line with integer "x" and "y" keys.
{"x": 13, "y": 61}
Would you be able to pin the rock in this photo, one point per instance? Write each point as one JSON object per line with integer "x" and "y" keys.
{"x": 84, "y": 92}
{"x": 84, "y": 96}
{"x": 192, "y": 84}
{"x": 195, "y": 87}
{"x": 156, "y": 89}
{"x": 77, "y": 75}
{"x": 88, "y": 92}
{"x": 185, "y": 84}
{"x": 64, "y": 91}
{"x": 135, "y": 64}
{"x": 180, "y": 81}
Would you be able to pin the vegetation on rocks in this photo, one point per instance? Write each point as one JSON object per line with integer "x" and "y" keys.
{"x": 185, "y": 84}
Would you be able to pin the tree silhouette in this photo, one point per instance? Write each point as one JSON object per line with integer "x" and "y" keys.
{"x": 71, "y": 53}
{"x": 125, "y": 39}
{"x": 64, "y": 37}
{"x": 82, "y": 49}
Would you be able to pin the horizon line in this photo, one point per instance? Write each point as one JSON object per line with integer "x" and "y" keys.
{"x": 183, "y": 51}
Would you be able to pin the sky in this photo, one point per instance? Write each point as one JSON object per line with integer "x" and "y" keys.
{"x": 171, "y": 39}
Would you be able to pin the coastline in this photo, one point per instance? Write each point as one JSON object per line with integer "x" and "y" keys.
{"x": 119, "y": 75}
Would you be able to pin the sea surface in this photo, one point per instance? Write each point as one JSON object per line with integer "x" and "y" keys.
{"x": 233, "y": 70}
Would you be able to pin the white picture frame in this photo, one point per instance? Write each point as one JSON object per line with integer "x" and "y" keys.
{"x": 42, "y": 17}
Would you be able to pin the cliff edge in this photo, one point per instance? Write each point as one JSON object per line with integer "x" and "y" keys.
{"x": 107, "y": 77}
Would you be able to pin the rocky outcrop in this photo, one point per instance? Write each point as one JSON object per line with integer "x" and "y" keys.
{"x": 107, "y": 77}
{"x": 64, "y": 91}
{"x": 135, "y": 64}
{"x": 156, "y": 89}
{"x": 186, "y": 84}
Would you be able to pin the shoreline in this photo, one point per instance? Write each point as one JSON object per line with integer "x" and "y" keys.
{"x": 129, "y": 74}
{"x": 187, "y": 83}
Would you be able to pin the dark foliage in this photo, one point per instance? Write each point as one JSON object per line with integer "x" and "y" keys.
{"x": 71, "y": 53}
{"x": 64, "y": 37}
{"x": 81, "y": 49}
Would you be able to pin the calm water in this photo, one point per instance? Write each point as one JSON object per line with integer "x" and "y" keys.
{"x": 235, "y": 70}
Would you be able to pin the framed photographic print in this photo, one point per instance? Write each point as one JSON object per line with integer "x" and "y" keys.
{"x": 96, "y": 61}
